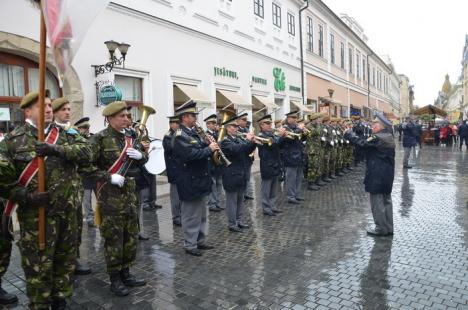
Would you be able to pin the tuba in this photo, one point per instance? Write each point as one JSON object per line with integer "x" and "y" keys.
{"x": 217, "y": 158}
{"x": 142, "y": 136}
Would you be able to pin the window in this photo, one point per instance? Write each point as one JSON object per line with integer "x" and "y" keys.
{"x": 258, "y": 8}
{"x": 320, "y": 41}
{"x": 132, "y": 92}
{"x": 364, "y": 69}
{"x": 342, "y": 56}
{"x": 291, "y": 24}
{"x": 310, "y": 35}
{"x": 373, "y": 76}
{"x": 19, "y": 76}
{"x": 358, "y": 64}
{"x": 276, "y": 15}
{"x": 332, "y": 48}
{"x": 350, "y": 60}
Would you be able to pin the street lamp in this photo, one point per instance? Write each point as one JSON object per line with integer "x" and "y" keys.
{"x": 112, "y": 46}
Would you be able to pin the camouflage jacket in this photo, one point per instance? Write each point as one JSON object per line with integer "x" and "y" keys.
{"x": 18, "y": 148}
{"x": 314, "y": 136}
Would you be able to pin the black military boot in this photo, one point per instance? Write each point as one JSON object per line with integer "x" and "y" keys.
{"x": 117, "y": 287}
{"x": 339, "y": 173}
{"x": 5, "y": 297}
{"x": 319, "y": 182}
{"x": 312, "y": 187}
{"x": 331, "y": 176}
{"x": 59, "y": 304}
{"x": 130, "y": 280}
{"x": 326, "y": 179}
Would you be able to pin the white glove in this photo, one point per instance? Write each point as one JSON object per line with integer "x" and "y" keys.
{"x": 134, "y": 154}
{"x": 117, "y": 179}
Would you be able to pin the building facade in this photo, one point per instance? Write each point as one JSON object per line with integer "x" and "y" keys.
{"x": 227, "y": 55}
{"x": 344, "y": 75}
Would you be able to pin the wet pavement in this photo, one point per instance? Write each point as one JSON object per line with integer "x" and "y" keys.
{"x": 314, "y": 256}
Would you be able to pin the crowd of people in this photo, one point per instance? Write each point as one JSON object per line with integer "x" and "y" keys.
{"x": 201, "y": 167}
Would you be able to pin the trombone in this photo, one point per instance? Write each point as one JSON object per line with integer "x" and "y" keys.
{"x": 257, "y": 139}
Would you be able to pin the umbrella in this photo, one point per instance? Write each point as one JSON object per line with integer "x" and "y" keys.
{"x": 430, "y": 109}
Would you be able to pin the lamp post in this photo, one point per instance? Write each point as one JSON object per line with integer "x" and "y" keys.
{"x": 112, "y": 46}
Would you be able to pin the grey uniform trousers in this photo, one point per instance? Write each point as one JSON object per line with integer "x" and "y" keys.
{"x": 175, "y": 202}
{"x": 270, "y": 189}
{"x": 216, "y": 192}
{"x": 234, "y": 206}
{"x": 88, "y": 206}
{"x": 293, "y": 182}
{"x": 194, "y": 224}
{"x": 249, "y": 190}
{"x": 382, "y": 211}
{"x": 406, "y": 155}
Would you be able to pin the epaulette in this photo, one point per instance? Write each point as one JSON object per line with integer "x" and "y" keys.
{"x": 168, "y": 134}
{"x": 15, "y": 133}
{"x": 178, "y": 133}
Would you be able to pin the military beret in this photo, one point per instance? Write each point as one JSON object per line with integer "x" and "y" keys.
{"x": 114, "y": 108}
{"x": 58, "y": 103}
{"x": 315, "y": 116}
{"x": 326, "y": 118}
{"x": 31, "y": 98}
{"x": 82, "y": 122}
{"x": 265, "y": 119}
{"x": 292, "y": 114}
{"x": 211, "y": 118}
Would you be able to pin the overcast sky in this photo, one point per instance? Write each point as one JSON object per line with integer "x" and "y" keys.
{"x": 423, "y": 38}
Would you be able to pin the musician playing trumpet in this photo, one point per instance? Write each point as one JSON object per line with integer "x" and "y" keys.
{"x": 192, "y": 152}
{"x": 270, "y": 164}
{"x": 116, "y": 195}
{"x": 235, "y": 176}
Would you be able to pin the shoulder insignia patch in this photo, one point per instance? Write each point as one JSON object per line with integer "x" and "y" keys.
{"x": 372, "y": 138}
{"x": 178, "y": 132}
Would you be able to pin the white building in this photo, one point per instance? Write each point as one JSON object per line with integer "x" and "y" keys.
{"x": 219, "y": 52}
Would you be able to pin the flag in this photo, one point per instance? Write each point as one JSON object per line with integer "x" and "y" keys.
{"x": 67, "y": 22}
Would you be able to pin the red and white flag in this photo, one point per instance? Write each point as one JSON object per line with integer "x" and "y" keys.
{"x": 67, "y": 22}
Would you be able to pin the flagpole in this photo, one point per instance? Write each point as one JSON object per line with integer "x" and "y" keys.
{"x": 40, "y": 127}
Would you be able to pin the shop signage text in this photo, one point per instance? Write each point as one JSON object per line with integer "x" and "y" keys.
{"x": 258, "y": 80}
{"x": 226, "y": 73}
{"x": 294, "y": 88}
{"x": 109, "y": 93}
{"x": 280, "y": 79}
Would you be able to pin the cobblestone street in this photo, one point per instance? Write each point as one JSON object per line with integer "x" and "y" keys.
{"x": 314, "y": 256}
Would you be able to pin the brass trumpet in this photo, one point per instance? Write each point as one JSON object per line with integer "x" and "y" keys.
{"x": 261, "y": 140}
{"x": 289, "y": 134}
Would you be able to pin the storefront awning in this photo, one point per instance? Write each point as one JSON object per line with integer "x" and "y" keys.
{"x": 301, "y": 107}
{"x": 265, "y": 101}
{"x": 193, "y": 93}
{"x": 234, "y": 98}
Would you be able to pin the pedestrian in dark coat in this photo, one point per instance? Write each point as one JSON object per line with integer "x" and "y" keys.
{"x": 380, "y": 171}
{"x": 463, "y": 133}
{"x": 409, "y": 140}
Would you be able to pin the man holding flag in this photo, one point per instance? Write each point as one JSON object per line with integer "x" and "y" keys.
{"x": 49, "y": 271}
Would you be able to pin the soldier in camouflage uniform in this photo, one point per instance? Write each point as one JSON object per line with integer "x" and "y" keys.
{"x": 314, "y": 151}
{"x": 349, "y": 148}
{"x": 334, "y": 150}
{"x": 328, "y": 148}
{"x": 340, "y": 152}
{"x": 117, "y": 196}
{"x": 62, "y": 111}
{"x": 7, "y": 178}
{"x": 48, "y": 272}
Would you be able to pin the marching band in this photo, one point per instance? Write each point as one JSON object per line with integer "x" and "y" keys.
{"x": 199, "y": 164}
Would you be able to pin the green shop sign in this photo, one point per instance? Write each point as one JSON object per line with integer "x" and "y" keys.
{"x": 294, "y": 88}
{"x": 280, "y": 79}
{"x": 258, "y": 80}
{"x": 109, "y": 93}
{"x": 226, "y": 73}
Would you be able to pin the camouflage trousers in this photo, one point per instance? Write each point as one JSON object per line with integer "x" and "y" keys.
{"x": 314, "y": 167}
{"x": 120, "y": 233}
{"x": 5, "y": 248}
{"x": 332, "y": 160}
{"x": 326, "y": 161}
{"x": 340, "y": 153}
{"x": 79, "y": 218}
{"x": 49, "y": 272}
